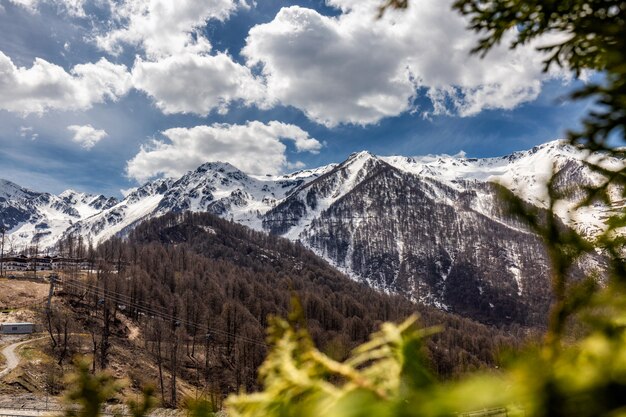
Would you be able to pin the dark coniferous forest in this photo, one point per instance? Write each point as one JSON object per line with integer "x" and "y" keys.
{"x": 201, "y": 290}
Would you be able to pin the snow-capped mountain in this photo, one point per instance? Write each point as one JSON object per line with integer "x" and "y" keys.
{"x": 39, "y": 219}
{"x": 449, "y": 243}
{"x": 526, "y": 173}
{"x": 215, "y": 187}
{"x": 433, "y": 228}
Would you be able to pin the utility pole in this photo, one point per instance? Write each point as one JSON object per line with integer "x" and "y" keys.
{"x": 174, "y": 357}
{"x": 106, "y": 319}
{"x": 35, "y": 256}
{"x": 2, "y": 254}
{"x": 207, "y": 339}
{"x": 53, "y": 280}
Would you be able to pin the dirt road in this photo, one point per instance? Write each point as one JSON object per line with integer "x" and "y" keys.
{"x": 13, "y": 359}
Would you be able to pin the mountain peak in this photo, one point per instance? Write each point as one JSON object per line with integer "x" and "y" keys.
{"x": 217, "y": 166}
{"x": 10, "y": 189}
{"x": 7, "y": 186}
{"x": 557, "y": 146}
{"x": 361, "y": 155}
{"x": 221, "y": 188}
{"x": 69, "y": 193}
{"x": 422, "y": 226}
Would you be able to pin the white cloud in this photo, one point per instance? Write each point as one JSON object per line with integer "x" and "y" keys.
{"x": 127, "y": 191}
{"x": 178, "y": 69}
{"x": 190, "y": 83}
{"x": 295, "y": 165}
{"x": 319, "y": 65}
{"x": 28, "y": 132}
{"x": 255, "y": 147}
{"x": 163, "y": 27}
{"x": 30, "y": 5}
{"x": 356, "y": 69}
{"x": 46, "y": 86}
{"x": 74, "y": 8}
{"x": 25, "y": 131}
{"x": 351, "y": 68}
{"x": 87, "y": 136}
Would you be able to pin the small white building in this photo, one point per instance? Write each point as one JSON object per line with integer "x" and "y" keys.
{"x": 17, "y": 328}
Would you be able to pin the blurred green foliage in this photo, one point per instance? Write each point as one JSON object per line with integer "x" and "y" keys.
{"x": 88, "y": 393}
{"x": 198, "y": 407}
{"x": 387, "y": 376}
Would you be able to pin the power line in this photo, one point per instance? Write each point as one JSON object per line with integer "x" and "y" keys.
{"x": 153, "y": 313}
{"x": 165, "y": 316}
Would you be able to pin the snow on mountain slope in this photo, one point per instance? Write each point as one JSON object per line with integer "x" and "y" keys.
{"x": 11, "y": 191}
{"x": 86, "y": 205}
{"x": 526, "y": 173}
{"x": 225, "y": 190}
{"x": 114, "y": 220}
{"x": 312, "y": 199}
{"x": 222, "y": 189}
{"x": 435, "y": 241}
{"x": 436, "y": 229}
{"x": 216, "y": 187}
{"x": 433, "y": 228}
{"x": 33, "y": 218}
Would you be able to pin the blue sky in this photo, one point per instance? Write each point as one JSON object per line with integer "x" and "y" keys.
{"x": 100, "y": 95}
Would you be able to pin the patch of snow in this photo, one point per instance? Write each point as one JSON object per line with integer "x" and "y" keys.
{"x": 208, "y": 229}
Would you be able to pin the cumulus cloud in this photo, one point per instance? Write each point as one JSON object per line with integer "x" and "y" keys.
{"x": 86, "y": 136}
{"x": 178, "y": 69}
{"x": 346, "y": 69}
{"x": 191, "y": 83}
{"x": 46, "y": 86}
{"x": 254, "y": 147}
{"x": 163, "y": 27}
{"x": 356, "y": 69}
{"x": 317, "y": 64}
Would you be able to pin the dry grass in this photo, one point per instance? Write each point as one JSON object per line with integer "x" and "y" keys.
{"x": 16, "y": 293}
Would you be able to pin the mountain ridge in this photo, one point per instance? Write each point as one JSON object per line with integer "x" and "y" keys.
{"x": 433, "y": 228}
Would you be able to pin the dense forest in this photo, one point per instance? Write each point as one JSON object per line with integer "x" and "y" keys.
{"x": 201, "y": 290}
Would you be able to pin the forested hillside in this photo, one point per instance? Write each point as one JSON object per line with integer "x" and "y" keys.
{"x": 201, "y": 288}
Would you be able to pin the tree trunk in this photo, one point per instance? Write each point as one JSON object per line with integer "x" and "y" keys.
{"x": 65, "y": 337}
{"x": 160, "y": 364}
{"x": 174, "y": 362}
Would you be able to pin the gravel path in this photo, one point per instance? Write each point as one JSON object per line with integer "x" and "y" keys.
{"x": 13, "y": 359}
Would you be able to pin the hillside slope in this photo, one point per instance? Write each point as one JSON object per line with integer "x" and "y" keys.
{"x": 193, "y": 296}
